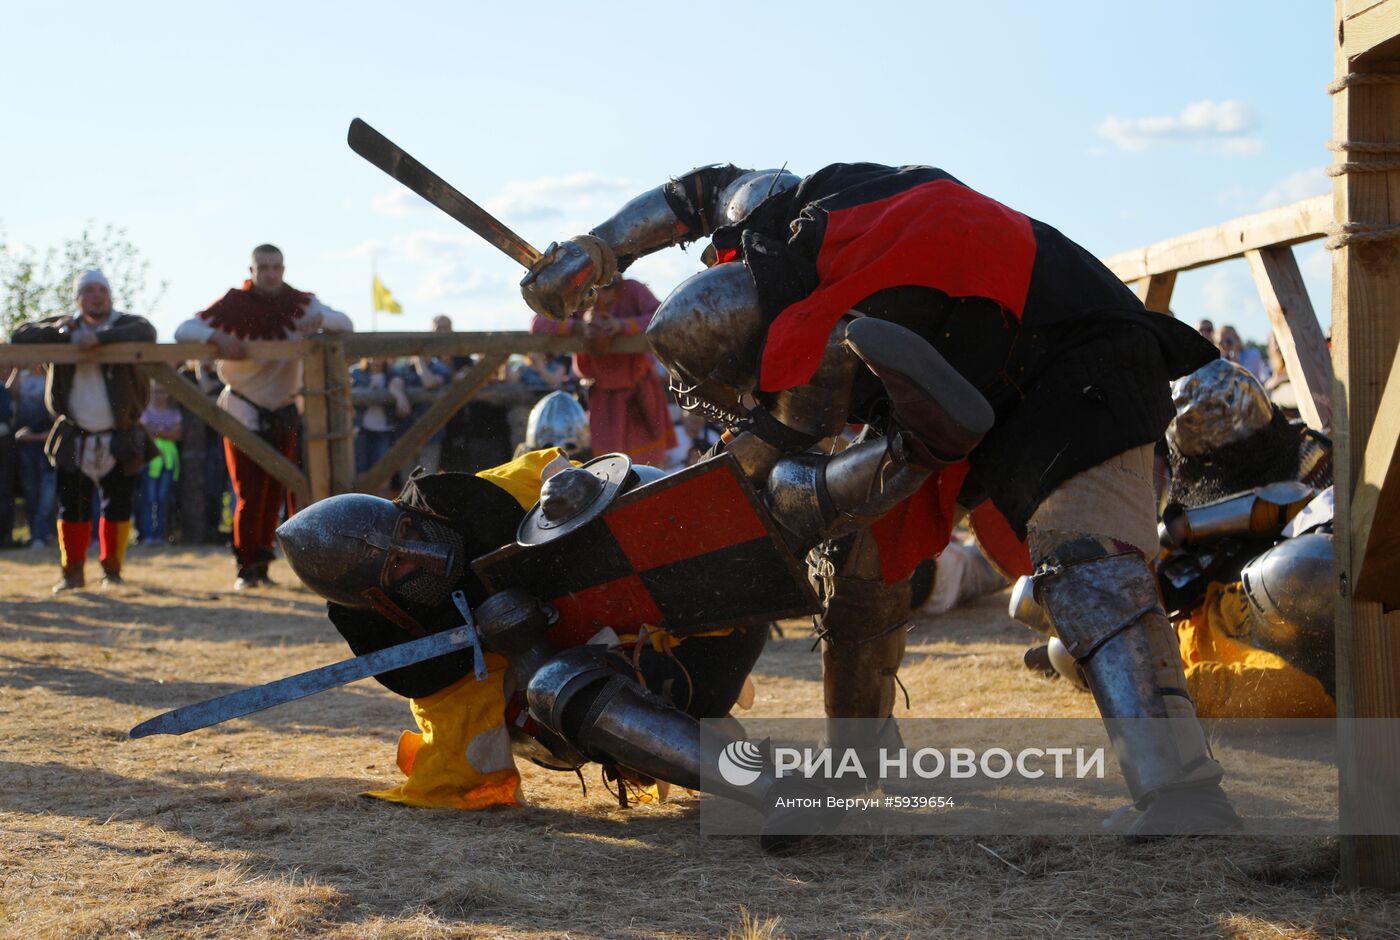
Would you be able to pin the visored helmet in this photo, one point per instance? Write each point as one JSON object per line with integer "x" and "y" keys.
{"x": 367, "y": 552}
{"x": 1220, "y": 403}
{"x": 707, "y": 333}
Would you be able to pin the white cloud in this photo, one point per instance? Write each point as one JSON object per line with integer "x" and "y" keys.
{"x": 460, "y": 282}
{"x": 664, "y": 270}
{"x": 362, "y": 250}
{"x": 1315, "y": 262}
{"x": 1223, "y": 125}
{"x": 429, "y": 245}
{"x": 1296, "y": 187}
{"x": 1228, "y": 295}
{"x": 553, "y": 197}
{"x": 546, "y": 197}
{"x": 398, "y": 202}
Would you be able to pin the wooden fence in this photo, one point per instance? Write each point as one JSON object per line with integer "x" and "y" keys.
{"x": 328, "y": 421}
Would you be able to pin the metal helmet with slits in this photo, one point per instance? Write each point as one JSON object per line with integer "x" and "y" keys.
{"x": 708, "y": 333}
{"x": 367, "y": 552}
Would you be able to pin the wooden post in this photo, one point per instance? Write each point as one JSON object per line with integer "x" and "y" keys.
{"x": 1155, "y": 291}
{"x": 315, "y": 424}
{"x": 340, "y": 418}
{"x": 434, "y": 418}
{"x": 1299, "y": 335}
{"x": 1365, "y": 330}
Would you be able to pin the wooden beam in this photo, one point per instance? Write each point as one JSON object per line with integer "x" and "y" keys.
{"x": 1155, "y": 292}
{"x": 1365, "y": 336}
{"x": 260, "y": 451}
{"x": 1366, "y": 24}
{"x": 394, "y": 345}
{"x": 1375, "y": 505}
{"x": 1287, "y": 225}
{"x": 1299, "y": 335}
{"x": 171, "y": 353}
{"x": 386, "y": 345}
{"x": 428, "y": 425}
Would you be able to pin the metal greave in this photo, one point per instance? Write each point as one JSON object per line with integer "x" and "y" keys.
{"x": 1107, "y": 614}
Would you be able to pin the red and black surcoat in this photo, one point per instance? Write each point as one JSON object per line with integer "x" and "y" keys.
{"x": 1076, "y": 369}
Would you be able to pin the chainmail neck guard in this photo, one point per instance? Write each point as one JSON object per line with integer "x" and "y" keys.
{"x": 1266, "y": 456}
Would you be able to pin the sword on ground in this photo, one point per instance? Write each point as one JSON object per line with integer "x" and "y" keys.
{"x": 247, "y": 701}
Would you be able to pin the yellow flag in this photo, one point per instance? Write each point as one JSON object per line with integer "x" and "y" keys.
{"x": 383, "y": 300}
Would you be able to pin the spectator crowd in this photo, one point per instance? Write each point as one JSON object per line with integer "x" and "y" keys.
{"x": 99, "y": 455}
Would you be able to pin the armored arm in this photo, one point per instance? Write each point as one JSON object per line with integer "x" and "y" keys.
{"x": 689, "y": 207}
{"x": 686, "y": 208}
{"x": 1261, "y": 513}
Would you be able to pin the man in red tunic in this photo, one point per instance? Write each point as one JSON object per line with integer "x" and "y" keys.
{"x": 261, "y": 395}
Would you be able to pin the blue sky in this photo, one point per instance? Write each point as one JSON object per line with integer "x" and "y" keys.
{"x": 204, "y": 129}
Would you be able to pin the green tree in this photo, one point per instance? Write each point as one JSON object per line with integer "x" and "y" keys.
{"x": 33, "y": 286}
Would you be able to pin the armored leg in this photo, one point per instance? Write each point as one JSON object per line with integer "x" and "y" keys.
{"x": 863, "y": 628}
{"x": 585, "y": 695}
{"x": 1105, "y": 611}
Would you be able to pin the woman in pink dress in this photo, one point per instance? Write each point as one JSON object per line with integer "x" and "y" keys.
{"x": 627, "y": 402}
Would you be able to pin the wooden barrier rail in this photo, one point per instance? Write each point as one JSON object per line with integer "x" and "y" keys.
{"x": 1265, "y": 240}
{"x": 328, "y": 420}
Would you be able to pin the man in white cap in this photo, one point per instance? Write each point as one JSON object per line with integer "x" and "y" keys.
{"x": 261, "y": 395}
{"x": 97, "y": 442}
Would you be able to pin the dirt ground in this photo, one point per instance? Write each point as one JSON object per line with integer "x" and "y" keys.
{"x": 256, "y": 829}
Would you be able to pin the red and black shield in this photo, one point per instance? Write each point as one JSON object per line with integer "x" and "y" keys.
{"x": 695, "y": 551}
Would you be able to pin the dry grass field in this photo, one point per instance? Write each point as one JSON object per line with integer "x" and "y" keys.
{"x": 256, "y": 829}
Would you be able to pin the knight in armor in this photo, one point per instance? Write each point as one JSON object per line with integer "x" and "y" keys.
{"x": 558, "y": 420}
{"x": 1246, "y": 569}
{"x": 633, "y": 703}
{"x": 822, "y": 302}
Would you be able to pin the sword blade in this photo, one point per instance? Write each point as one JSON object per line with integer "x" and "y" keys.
{"x": 391, "y": 158}
{"x": 246, "y": 701}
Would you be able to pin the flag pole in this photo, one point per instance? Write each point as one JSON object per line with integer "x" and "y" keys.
{"x": 373, "y": 298}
